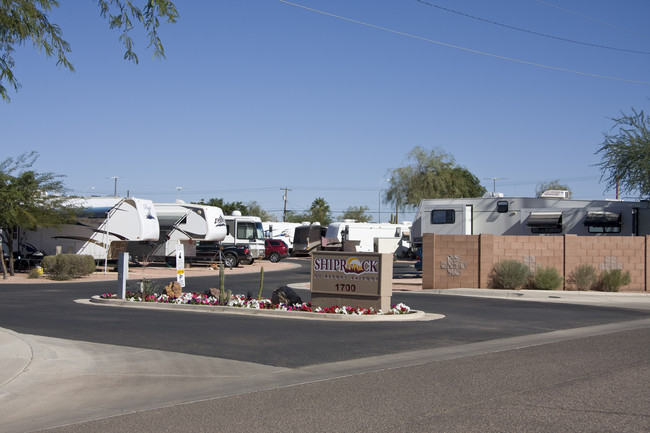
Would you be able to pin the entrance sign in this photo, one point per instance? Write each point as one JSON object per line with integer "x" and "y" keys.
{"x": 180, "y": 264}
{"x": 362, "y": 280}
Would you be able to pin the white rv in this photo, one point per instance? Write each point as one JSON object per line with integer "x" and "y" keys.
{"x": 529, "y": 216}
{"x": 368, "y": 236}
{"x": 282, "y": 231}
{"x": 245, "y": 230}
{"x": 181, "y": 223}
{"x": 104, "y": 227}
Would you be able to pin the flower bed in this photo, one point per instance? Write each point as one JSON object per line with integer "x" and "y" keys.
{"x": 239, "y": 301}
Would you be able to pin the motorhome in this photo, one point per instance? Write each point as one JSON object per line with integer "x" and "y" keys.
{"x": 367, "y": 237}
{"x": 280, "y": 230}
{"x": 307, "y": 238}
{"x": 546, "y": 215}
{"x": 245, "y": 230}
{"x": 104, "y": 227}
{"x": 181, "y": 223}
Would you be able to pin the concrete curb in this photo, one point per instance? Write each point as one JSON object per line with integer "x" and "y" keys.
{"x": 16, "y": 355}
{"x": 304, "y": 315}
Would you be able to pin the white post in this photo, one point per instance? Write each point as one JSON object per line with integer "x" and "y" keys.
{"x": 180, "y": 264}
{"x": 122, "y": 274}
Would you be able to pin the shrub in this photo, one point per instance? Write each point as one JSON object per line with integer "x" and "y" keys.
{"x": 68, "y": 266}
{"x": 547, "y": 278}
{"x": 583, "y": 277}
{"x": 509, "y": 274}
{"x": 613, "y": 280}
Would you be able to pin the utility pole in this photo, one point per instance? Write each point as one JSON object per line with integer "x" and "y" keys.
{"x": 115, "y": 178}
{"x": 284, "y": 214}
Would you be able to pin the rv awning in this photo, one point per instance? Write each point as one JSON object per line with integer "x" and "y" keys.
{"x": 603, "y": 219}
{"x": 545, "y": 219}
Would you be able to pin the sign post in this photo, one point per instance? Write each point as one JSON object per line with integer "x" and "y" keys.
{"x": 180, "y": 264}
{"x": 361, "y": 280}
{"x": 122, "y": 274}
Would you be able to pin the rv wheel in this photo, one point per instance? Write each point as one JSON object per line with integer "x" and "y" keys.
{"x": 230, "y": 260}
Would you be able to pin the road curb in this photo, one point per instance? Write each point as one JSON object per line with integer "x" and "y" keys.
{"x": 304, "y": 315}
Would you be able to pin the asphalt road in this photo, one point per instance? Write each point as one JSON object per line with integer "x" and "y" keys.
{"x": 489, "y": 365}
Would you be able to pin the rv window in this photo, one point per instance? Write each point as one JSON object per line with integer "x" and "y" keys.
{"x": 603, "y": 222}
{"x": 443, "y": 216}
{"x": 246, "y": 230}
{"x": 502, "y": 206}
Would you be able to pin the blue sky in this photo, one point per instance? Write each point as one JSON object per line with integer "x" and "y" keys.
{"x": 259, "y": 95}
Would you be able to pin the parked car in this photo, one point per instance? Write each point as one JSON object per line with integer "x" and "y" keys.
{"x": 231, "y": 255}
{"x": 275, "y": 250}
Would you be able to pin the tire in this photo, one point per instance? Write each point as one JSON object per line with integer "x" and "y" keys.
{"x": 230, "y": 260}
{"x": 274, "y": 257}
{"x": 171, "y": 261}
{"x": 248, "y": 261}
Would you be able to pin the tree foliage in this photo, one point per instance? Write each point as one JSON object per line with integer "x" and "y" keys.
{"x": 357, "y": 213}
{"x": 431, "y": 174}
{"x": 551, "y": 185}
{"x": 625, "y": 154}
{"x": 29, "y": 200}
{"x": 319, "y": 212}
{"x": 25, "y": 21}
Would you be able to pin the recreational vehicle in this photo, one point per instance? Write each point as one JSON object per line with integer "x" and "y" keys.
{"x": 307, "y": 238}
{"x": 530, "y": 216}
{"x": 281, "y": 231}
{"x": 367, "y": 237}
{"x": 104, "y": 227}
{"x": 248, "y": 230}
{"x": 181, "y": 223}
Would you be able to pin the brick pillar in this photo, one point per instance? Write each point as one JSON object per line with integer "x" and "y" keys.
{"x": 485, "y": 259}
{"x": 428, "y": 258}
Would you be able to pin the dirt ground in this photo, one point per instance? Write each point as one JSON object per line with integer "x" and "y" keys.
{"x": 153, "y": 271}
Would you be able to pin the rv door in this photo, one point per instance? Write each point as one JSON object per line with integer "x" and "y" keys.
{"x": 468, "y": 228}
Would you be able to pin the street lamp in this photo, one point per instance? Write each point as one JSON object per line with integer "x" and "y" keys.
{"x": 379, "y": 217}
{"x": 178, "y": 193}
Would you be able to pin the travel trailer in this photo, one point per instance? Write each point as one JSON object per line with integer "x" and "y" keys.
{"x": 307, "y": 238}
{"x": 367, "y": 237}
{"x": 104, "y": 227}
{"x": 281, "y": 231}
{"x": 529, "y": 216}
{"x": 181, "y": 223}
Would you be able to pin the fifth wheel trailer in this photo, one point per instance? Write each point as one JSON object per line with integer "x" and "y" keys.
{"x": 104, "y": 227}
{"x": 530, "y": 216}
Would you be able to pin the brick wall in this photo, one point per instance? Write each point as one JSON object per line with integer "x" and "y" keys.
{"x": 456, "y": 261}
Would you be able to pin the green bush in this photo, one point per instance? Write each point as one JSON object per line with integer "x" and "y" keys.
{"x": 613, "y": 280}
{"x": 68, "y": 266}
{"x": 547, "y": 278}
{"x": 583, "y": 277}
{"x": 509, "y": 274}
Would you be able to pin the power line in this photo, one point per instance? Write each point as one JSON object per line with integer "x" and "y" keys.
{"x": 532, "y": 32}
{"x": 593, "y": 19}
{"x": 469, "y": 50}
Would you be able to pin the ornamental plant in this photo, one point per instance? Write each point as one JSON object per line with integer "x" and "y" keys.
{"x": 583, "y": 277}
{"x": 547, "y": 278}
{"x": 613, "y": 280}
{"x": 509, "y": 274}
{"x": 240, "y": 301}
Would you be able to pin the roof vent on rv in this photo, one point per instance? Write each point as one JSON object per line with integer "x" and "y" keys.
{"x": 236, "y": 213}
{"x": 555, "y": 193}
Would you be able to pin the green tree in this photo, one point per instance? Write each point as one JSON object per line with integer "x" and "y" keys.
{"x": 625, "y": 154}
{"x": 255, "y": 209}
{"x": 320, "y": 212}
{"x": 29, "y": 200}
{"x": 24, "y": 21}
{"x": 552, "y": 184}
{"x": 227, "y": 208}
{"x": 431, "y": 174}
{"x": 357, "y": 213}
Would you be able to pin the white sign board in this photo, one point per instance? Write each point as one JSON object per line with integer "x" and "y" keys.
{"x": 180, "y": 264}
